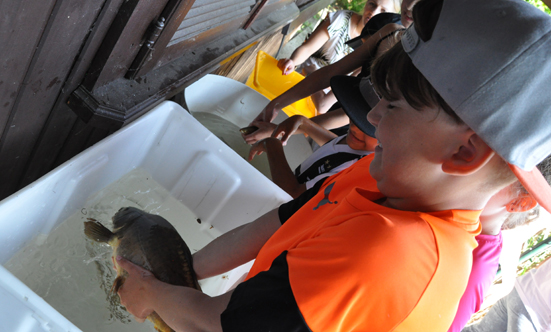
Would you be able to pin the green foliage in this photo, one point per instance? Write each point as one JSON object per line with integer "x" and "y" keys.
{"x": 354, "y": 5}
{"x": 535, "y": 261}
{"x": 310, "y": 24}
{"x": 539, "y": 4}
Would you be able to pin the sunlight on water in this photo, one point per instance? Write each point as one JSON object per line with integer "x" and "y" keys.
{"x": 75, "y": 274}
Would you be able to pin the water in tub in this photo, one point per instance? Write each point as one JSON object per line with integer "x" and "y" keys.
{"x": 229, "y": 133}
{"x": 74, "y": 274}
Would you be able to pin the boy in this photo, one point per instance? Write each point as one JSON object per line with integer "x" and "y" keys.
{"x": 334, "y": 155}
{"x": 399, "y": 260}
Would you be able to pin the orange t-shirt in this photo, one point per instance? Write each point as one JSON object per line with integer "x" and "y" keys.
{"x": 355, "y": 265}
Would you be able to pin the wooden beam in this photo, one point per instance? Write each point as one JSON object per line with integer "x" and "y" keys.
{"x": 255, "y": 14}
{"x": 159, "y": 36}
{"x": 123, "y": 100}
{"x": 122, "y": 41}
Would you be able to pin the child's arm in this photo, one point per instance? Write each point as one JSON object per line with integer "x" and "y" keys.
{"x": 323, "y": 101}
{"x": 282, "y": 174}
{"x": 235, "y": 247}
{"x": 320, "y": 78}
{"x": 332, "y": 120}
{"x": 182, "y": 308}
{"x": 316, "y": 40}
{"x": 265, "y": 130}
{"x": 298, "y": 124}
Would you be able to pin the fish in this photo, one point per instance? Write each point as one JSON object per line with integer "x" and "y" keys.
{"x": 151, "y": 242}
{"x": 248, "y": 130}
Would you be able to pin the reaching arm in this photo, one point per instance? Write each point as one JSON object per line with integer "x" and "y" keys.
{"x": 265, "y": 130}
{"x": 182, "y": 308}
{"x": 282, "y": 174}
{"x": 298, "y": 124}
{"x": 235, "y": 247}
{"x": 187, "y": 309}
{"x": 325, "y": 122}
{"x": 331, "y": 120}
{"x": 320, "y": 78}
{"x": 316, "y": 40}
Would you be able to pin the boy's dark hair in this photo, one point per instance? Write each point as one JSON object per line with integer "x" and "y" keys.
{"x": 522, "y": 218}
{"x": 394, "y": 75}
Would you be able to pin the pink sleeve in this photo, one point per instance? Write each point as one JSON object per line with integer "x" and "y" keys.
{"x": 485, "y": 263}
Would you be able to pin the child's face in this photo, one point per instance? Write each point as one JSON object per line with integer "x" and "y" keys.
{"x": 406, "y": 12}
{"x": 358, "y": 140}
{"x": 412, "y": 147}
{"x": 374, "y": 7}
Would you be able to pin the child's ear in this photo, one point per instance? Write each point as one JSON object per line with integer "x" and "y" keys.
{"x": 521, "y": 204}
{"x": 471, "y": 156}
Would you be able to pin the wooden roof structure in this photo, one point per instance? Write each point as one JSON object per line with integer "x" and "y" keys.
{"x": 75, "y": 71}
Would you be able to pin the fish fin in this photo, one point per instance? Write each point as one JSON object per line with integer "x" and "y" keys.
{"x": 158, "y": 323}
{"x": 117, "y": 284}
{"x": 97, "y": 232}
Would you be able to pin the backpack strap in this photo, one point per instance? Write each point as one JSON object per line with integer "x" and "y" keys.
{"x": 324, "y": 165}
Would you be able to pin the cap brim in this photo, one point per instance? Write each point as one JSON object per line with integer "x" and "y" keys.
{"x": 355, "y": 42}
{"x": 374, "y": 24}
{"x": 536, "y": 185}
{"x": 347, "y": 91}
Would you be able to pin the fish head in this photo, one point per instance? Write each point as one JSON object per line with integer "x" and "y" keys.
{"x": 126, "y": 216}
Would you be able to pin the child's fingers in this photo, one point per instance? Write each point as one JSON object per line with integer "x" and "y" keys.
{"x": 252, "y": 152}
{"x": 262, "y": 132}
{"x": 277, "y": 132}
{"x": 280, "y": 135}
{"x": 132, "y": 268}
{"x": 288, "y": 70}
{"x": 285, "y": 65}
{"x": 285, "y": 138}
{"x": 252, "y": 138}
{"x": 131, "y": 291}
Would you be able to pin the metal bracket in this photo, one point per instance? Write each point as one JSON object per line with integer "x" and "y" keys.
{"x": 147, "y": 48}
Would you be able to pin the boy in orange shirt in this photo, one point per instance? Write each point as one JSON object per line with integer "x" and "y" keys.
{"x": 453, "y": 132}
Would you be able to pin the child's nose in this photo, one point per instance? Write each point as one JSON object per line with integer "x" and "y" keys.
{"x": 374, "y": 116}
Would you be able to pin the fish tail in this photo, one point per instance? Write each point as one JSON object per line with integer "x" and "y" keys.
{"x": 97, "y": 232}
{"x": 158, "y": 323}
{"x": 117, "y": 284}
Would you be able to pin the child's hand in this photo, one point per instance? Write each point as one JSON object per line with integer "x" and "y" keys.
{"x": 262, "y": 146}
{"x": 286, "y": 65}
{"x": 264, "y": 130}
{"x": 288, "y": 127}
{"x": 269, "y": 112}
{"x": 133, "y": 291}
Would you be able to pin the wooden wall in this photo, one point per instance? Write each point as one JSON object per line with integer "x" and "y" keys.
{"x": 63, "y": 60}
{"x": 45, "y": 40}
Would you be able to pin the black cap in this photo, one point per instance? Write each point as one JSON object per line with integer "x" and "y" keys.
{"x": 373, "y": 25}
{"x": 357, "y": 96}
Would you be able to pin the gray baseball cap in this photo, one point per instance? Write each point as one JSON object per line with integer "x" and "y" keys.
{"x": 491, "y": 62}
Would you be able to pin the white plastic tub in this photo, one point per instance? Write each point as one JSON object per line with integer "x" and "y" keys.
{"x": 218, "y": 187}
{"x": 239, "y": 105}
